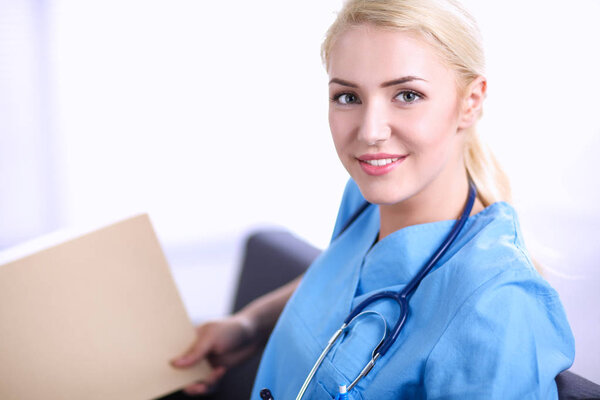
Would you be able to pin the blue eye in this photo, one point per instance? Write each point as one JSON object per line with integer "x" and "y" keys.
{"x": 346, "y": 98}
{"x": 408, "y": 96}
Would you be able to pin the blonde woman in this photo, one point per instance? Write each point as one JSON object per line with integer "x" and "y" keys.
{"x": 465, "y": 314}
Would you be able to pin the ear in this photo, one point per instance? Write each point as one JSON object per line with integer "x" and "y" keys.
{"x": 472, "y": 102}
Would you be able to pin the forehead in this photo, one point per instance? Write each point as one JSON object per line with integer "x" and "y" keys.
{"x": 369, "y": 55}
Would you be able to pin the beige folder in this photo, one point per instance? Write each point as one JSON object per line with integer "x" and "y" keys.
{"x": 96, "y": 317}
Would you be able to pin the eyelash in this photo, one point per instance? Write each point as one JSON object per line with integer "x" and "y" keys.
{"x": 419, "y": 95}
{"x": 335, "y": 98}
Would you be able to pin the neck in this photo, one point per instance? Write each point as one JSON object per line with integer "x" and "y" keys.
{"x": 442, "y": 199}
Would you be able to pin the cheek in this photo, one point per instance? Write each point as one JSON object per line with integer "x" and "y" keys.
{"x": 434, "y": 129}
{"x": 341, "y": 128}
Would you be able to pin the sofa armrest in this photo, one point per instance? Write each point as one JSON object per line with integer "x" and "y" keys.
{"x": 572, "y": 386}
{"x": 271, "y": 259}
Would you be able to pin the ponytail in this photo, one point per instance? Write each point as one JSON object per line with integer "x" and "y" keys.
{"x": 485, "y": 171}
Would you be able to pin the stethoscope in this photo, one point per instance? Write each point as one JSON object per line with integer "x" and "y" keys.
{"x": 400, "y": 297}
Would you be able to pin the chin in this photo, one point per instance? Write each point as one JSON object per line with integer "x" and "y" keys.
{"x": 382, "y": 193}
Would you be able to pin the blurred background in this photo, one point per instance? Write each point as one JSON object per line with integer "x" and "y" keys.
{"x": 212, "y": 118}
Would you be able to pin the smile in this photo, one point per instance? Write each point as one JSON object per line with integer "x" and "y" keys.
{"x": 380, "y": 164}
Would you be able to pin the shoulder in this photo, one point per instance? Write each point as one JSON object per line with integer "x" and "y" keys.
{"x": 492, "y": 265}
{"x": 492, "y": 247}
{"x": 509, "y": 329}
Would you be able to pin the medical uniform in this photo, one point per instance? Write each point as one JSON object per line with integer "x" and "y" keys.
{"x": 482, "y": 325}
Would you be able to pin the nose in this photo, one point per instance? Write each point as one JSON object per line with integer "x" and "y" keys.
{"x": 374, "y": 126}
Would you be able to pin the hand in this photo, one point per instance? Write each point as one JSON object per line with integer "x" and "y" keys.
{"x": 224, "y": 343}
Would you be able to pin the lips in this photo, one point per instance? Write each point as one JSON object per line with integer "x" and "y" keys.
{"x": 381, "y": 163}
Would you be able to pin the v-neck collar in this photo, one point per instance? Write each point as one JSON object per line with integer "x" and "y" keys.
{"x": 393, "y": 261}
{"x": 398, "y": 257}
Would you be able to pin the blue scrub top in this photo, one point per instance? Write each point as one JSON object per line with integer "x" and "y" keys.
{"x": 482, "y": 325}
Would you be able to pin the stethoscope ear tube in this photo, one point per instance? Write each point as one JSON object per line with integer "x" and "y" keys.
{"x": 331, "y": 342}
{"x": 315, "y": 367}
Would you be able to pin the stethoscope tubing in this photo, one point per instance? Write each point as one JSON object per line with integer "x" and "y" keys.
{"x": 400, "y": 297}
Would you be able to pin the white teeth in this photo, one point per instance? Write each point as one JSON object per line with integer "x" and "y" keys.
{"x": 382, "y": 162}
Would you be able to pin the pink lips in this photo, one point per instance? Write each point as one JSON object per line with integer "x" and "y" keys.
{"x": 380, "y": 163}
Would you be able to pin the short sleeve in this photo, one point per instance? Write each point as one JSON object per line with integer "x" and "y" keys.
{"x": 352, "y": 200}
{"x": 508, "y": 340}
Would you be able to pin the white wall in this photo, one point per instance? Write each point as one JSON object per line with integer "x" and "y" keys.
{"x": 28, "y": 189}
{"x": 211, "y": 116}
{"x": 542, "y": 116}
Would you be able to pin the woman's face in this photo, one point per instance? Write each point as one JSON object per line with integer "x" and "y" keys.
{"x": 395, "y": 113}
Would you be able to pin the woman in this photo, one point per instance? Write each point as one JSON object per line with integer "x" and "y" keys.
{"x": 407, "y": 88}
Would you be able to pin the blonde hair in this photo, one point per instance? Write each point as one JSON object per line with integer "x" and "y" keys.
{"x": 454, "y": 33}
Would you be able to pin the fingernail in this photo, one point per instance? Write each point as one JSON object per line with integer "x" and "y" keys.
{"x": 198, "y": 389}
{"x": 179, "y": 361}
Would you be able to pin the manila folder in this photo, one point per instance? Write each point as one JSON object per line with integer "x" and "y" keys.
{"x": 96, "y": 317}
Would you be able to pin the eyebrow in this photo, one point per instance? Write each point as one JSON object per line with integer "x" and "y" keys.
{"x": 393, "y": 82}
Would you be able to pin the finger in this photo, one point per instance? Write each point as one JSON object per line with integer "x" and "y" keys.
{"x": 215, "y": 376}
{"x": 207, "y": 384}
{"x": 196, "y": 389}
{"x": 233, "y": 358}
{"x": 195, "y": 353}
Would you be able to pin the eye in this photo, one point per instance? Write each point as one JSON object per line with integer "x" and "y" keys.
{"x": 346, "y": 98}
{"x": 408, "y": 96}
